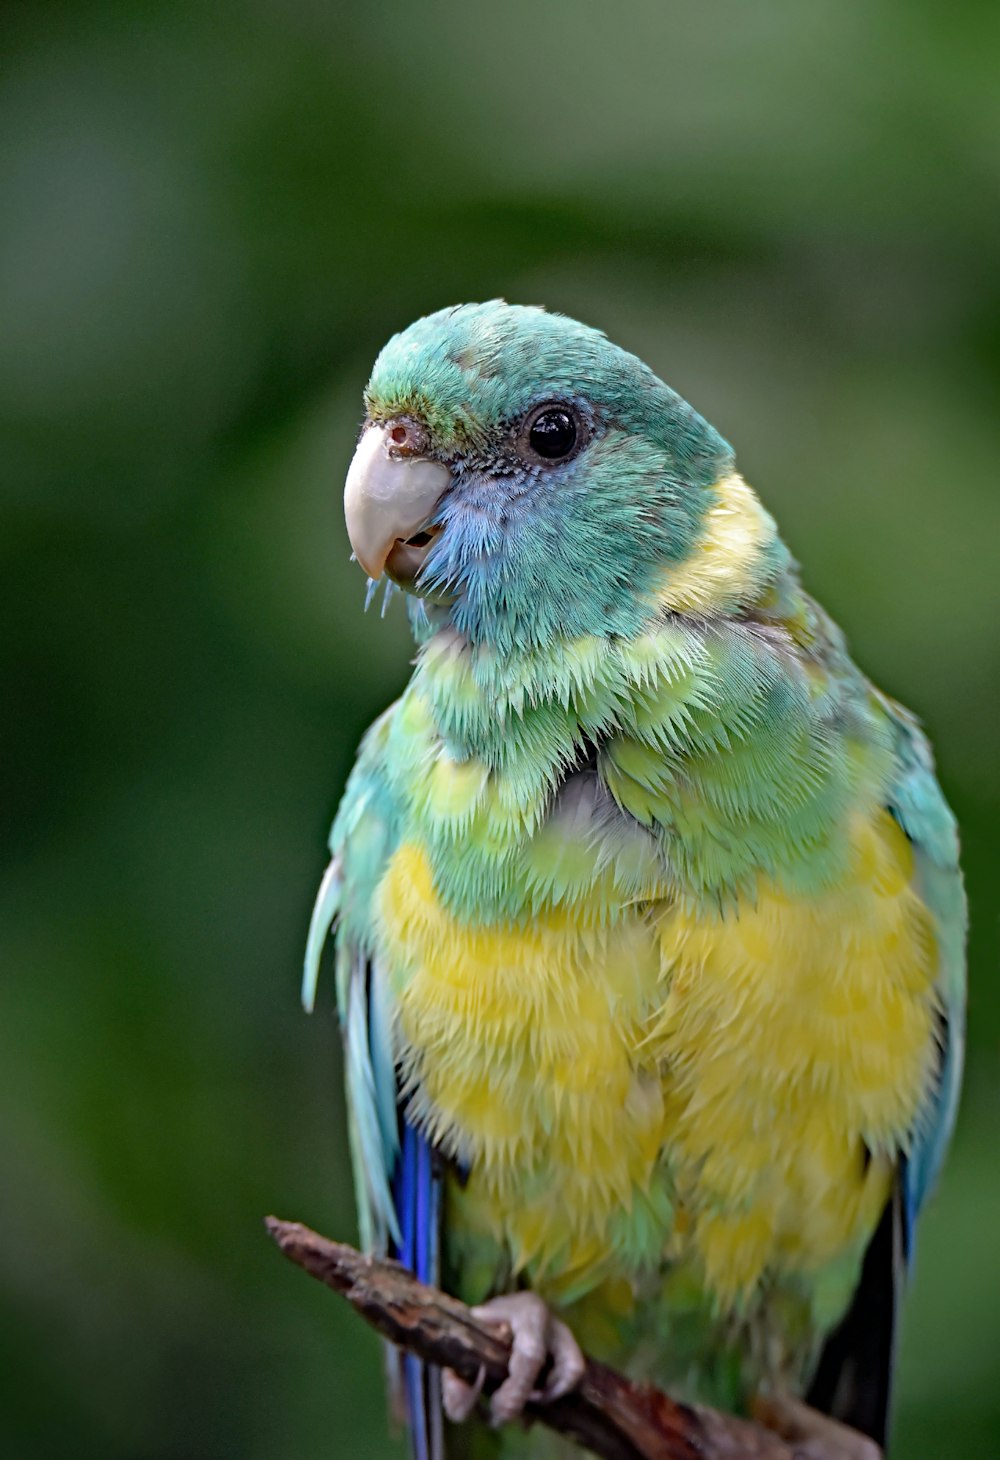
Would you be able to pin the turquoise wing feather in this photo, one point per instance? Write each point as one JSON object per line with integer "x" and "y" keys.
{"x": 361, "y": 841}
{"x": 396, "y": 1180}
{"x": 853, "y": 1379}
{"x": 921, "y": 810}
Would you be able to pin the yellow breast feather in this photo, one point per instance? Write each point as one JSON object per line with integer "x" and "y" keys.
{"x": 743, "y": 1078}
{"x": 798, "y": 1037}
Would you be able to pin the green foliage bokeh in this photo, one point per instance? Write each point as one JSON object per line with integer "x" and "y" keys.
{"x": 212, "y": 216}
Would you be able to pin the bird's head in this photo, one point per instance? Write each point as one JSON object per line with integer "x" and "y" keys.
{"x": 540, "y": 481}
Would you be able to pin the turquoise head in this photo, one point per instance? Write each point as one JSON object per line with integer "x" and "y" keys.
{"x": 521, "y": 470}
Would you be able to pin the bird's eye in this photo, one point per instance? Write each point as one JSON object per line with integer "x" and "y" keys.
{"x": 552, "y": 432}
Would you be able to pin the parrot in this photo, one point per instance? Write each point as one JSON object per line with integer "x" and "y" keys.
{"x": 647, "y": 917}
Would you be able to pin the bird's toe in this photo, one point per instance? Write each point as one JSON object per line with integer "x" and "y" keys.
{"x": 537, "y": 1338}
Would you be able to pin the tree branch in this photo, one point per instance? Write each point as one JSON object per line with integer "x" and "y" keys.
{"x": 607, "y": 1414}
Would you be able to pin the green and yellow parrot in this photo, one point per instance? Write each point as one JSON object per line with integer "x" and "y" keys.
{"x": 648, "y": 917}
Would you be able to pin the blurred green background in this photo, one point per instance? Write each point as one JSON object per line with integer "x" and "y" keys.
{"x": 211, "y": 217}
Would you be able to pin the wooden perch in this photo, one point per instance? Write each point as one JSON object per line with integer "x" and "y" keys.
{"x": 607, "y": 1414}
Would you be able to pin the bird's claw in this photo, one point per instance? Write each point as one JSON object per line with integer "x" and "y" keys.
{"x": 536, "y": 1338}
{"x": 458, "y": 1398}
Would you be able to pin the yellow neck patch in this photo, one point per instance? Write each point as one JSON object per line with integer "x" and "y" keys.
{"x": 726, "y": 564}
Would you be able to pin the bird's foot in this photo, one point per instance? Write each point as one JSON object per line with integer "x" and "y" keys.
{"x": 813, "y": 1435}
{"x": 536, "y": 1338}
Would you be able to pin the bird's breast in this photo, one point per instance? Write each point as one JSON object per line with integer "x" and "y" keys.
{"x": 522, "y": 1044}
{"x": 729, "y": 1087}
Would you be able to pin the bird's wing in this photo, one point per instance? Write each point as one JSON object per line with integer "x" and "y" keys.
{"x": 853, "y": 1379}
{"x": 396, "y": 1177}
{"x": 921, "y": 810}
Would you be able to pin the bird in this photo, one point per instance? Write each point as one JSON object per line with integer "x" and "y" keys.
{"x": 647, "y": 916}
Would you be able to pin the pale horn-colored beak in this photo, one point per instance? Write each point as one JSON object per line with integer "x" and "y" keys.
{"x": 389, "y": 494}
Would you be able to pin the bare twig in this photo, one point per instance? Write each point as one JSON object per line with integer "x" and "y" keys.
{"x": 607, "y": 1414}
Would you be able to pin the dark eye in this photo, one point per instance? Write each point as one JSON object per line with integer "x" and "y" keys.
{"x": 552, "y": 432}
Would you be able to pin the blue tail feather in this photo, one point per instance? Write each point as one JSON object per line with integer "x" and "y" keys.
{"x": 417, "y": 1196}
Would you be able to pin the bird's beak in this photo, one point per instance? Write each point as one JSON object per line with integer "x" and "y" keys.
{"x": 389, "y": 494}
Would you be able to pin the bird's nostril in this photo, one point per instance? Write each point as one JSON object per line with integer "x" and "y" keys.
{"x": 406, "y": 437}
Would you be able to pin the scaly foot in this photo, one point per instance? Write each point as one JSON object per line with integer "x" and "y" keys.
{"x": 536, "y": 1336}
